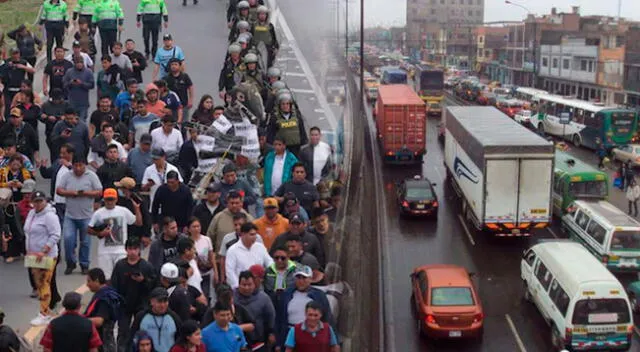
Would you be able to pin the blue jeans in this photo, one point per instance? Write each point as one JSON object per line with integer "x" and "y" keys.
{"x": 71, "y": 229}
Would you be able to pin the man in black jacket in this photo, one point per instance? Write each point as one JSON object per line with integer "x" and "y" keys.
{"x": 138, "y": 61}
{"x": 67, "y": 151}
{"x": 172, "y": 199}
{"x": 126, "y": 187}
{"x": 133, "y": 278}
{"x": 209, "y": 207}
{"x": 23, "y": 134}
{"x": 156, "y": 320}
{"x": 53, "y": 111}
{"x": 113, "y": 169}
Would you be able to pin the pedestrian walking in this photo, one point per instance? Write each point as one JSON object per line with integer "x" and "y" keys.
{"x": 84, "y": 11}
{"x": 165, "y": 247}
{"x": 71, "y": 332}
{"x": 205, "y": 256}
{"x": 312, "y": 334}
{"x": 165, "y": 53}
{"x": 245, "y": 253}
{"x": 223, "y": 222}
{"x": 280, "y": 275}
{"x": 133, "y": 278}
{"x": 113, "y": 169}
{"x": 78, "y": 82}
{"x": 602, "y": 154}
{"x": 209, "y": 207}
{"x": 104, "y": 308}
{"x": 110, "y": 79}
{"x": 73, "y": 131}
{"x": 189, "y": 338}
{"x": 272, "y": 223}
{"x": 142, "y": 342}
{"x": 161, "y": 323}
{"x": 633, "y": 195}
{"x": 305, "y": 191}
{"x": 156, "y": 174}
{"x": 54, "y": 72}
{"x": 260, "y": 306}
{"x": 12, "y": 233}
{"x": 138, "y": 61}
{"x": 278, "y": 166}
{"x": 180, "y": 83}
{"x": 15, "y": 71}
{"x": 151, "y": 14}
{"x": 42, "y": 231}
{"x": 55, "y": 21}
{"x": 139, "y": 158}
{"x": 223, "y": 332}
{"x": 109, "y": 18}
{"x": 80, "y": 188}
{"x": 8, "y": 338}
{"x": 77, "y": 51}
{"x": 28, "y": 43}
{"x": 14, "y": 175}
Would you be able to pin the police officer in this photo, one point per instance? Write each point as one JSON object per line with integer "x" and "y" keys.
{"x": 253, "y": 11}
{"x": 244, "y": 40}
{"x": 252, "y": 74}
{"x": 287, "y": 124}
{"x": 152, "y": 13}
{"x": 272, "y": 96}
{"x": 241, "y": 27}
{"x": 109, "y": 18}
{"x": 85, "y": 9}
{"x": 231, "y": 72}
{"x": 55, "y": 21}
{"x": 233, "y": 8}
{"x": 242, "y": 14}
{"x": 264, "y": 31}
{"x": 273, "y": 75}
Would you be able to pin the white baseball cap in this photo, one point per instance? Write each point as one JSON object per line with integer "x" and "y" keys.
{"x": 169, "y": 271}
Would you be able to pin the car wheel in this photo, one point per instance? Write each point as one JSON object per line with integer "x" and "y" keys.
{"x": 576, "y": 140}
{"x": 527, "y": 294}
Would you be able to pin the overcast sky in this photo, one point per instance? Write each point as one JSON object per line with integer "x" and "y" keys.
{"x": 393, "y": 12}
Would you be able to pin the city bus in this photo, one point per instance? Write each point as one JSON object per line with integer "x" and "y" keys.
{"x": 429, "y": 84}
{"x": 574, "y": 179}
{"x": 590, "y": 125}
{"x": 530, "y": 95}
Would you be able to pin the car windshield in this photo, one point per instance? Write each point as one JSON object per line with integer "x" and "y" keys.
{"x": 601, "y": 311}
{"x": 588, "y": 189}
{"x": 626, "y": 240}
{"x": 419, "y": 193}
{"x": 434, "y": 106}
{"x": 451, "y": 296}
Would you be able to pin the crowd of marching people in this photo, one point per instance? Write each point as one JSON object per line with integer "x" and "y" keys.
{"x": 233, "y": 256}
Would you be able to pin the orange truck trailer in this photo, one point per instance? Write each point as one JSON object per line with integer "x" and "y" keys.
{"x": 401, "y": 124}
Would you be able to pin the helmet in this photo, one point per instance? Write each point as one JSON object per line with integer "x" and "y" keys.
{"x": 273, "y": 72}
{"x": 285, "y": 98}
{"x": 251, "y": 58}
{"x": 243, "y": 25}
{"x": 263, "y": 9}
{"x": 235, "y": 48}
{"x": 243, "y": 5}
{"x": 244, "y": 38}
{"x": 278, "y": 85}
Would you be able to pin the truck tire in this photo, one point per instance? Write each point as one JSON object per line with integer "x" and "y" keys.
{"x": 577, "y": 141}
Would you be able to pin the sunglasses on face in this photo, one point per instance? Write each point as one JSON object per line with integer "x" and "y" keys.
{"x": 280, "y": 258}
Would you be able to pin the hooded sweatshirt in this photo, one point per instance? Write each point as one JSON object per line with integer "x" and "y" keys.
{"x": 261, "y": 308}
{"x": 43, "y": 229}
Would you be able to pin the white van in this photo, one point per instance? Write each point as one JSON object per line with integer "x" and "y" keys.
{"x": 585, "y": 305}
{"x": 607, "y": 232}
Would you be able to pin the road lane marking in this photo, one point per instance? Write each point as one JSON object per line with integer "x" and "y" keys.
{"x": 295, "y": 74}
{"x": 291, "y": 40}
{"x": 552, "y": 232}
{"x": 466, "y": 230}
{"x": 34, "y": 331}
{"x": 319, "y": 111}
{"x": 302, "y": 91}
{"x": 515, "y": 333}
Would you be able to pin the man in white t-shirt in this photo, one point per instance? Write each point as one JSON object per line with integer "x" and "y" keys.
{"x": 155, "y": 174}
{"x": 244, "y": 254}
{"x": 94, "y": 159}
{"x": 109, "y": 224}
{"x": 88, "y": 63}
{"x": 166, "y": 137}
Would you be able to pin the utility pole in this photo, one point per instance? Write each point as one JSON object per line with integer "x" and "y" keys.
{"x": 535, "y": 36}
{"x": 362, "y": 54}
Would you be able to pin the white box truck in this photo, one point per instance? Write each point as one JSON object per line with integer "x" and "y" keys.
{"x": 502, "y": 171}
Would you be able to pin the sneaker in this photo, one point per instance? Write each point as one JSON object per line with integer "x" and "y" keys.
{"x": 85, "y": 271}
{"x": 34, "y": 294}
{"x": 41, "y": 319}
{"x": 69, "y": 270}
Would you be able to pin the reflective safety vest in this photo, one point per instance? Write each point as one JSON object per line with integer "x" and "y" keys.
{"x": 288, "y": 129}
{"x": 54, "y": 12}
{"x": 155, "y": 7}
{"x": 108, "y": 10}
{"x": 254, "y": 79}
{"x": 85, "y": 7}
{"x": 262, "y": 33}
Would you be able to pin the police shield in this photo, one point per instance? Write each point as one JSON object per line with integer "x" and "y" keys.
{"x": 263, "y": 56}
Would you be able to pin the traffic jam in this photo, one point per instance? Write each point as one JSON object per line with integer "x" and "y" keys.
{"x": 507, "y": 160}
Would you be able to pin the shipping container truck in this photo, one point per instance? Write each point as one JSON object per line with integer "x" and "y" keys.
{"x": 400, "y": 124}
{"x": 502, "y": 171}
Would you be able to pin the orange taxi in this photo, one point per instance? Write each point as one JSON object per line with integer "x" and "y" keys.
{"x": 446, "y": 303}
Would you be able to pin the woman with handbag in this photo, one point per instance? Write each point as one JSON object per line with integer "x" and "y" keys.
{"x": 205, "y": 256}
{"x": 42, "y": 232}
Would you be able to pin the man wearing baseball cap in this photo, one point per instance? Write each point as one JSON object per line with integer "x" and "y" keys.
{"x": 310, "y": 242}
{"x": 209, "y": 207}
{"x": 165, "y": 53}
{"x": 139, "y": 158}
{"x": 272, "y": 223}
{"x": 23, "y": 134}
{"x": 156, "y": 174}
{"x": 160, "y": 319}
{"x": 110, "y": 225}
{"x": 290, "y": 311}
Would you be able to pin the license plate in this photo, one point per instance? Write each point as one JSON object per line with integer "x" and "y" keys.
{"x": 515, "y": 231}
{"x": 627, "y": 261}
{"x": 405, "y": 157}
{"x": 455, "y": 333}
{"x": 420, "y": 206}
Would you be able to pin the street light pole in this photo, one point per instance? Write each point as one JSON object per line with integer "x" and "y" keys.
{"x": 535, "y": 38}
{"x": 362, "y": 53}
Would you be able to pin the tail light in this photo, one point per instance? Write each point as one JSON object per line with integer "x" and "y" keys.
{"x": 638, "y": 159}
{"x": 567, "y": 335}
{"x": 405, "y": 204}
{"x": 478, "y": 318}
{"x": 434, "y": 204}
{"x": 430, "y": 319}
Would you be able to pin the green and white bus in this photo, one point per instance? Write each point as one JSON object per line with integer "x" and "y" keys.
{"x": 574, "y": 179}
{"x": 590, "y": 124}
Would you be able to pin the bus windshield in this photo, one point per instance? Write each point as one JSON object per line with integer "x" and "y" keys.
{"x": 588, "y": 189}
{"x": 626, "y": 240}
{"x": 601, "y": 311}
{"x": 622, "y": 123}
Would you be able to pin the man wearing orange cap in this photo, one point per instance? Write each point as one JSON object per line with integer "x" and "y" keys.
{"x": 271, "y": 224}
{"x": 109, "y": 224}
